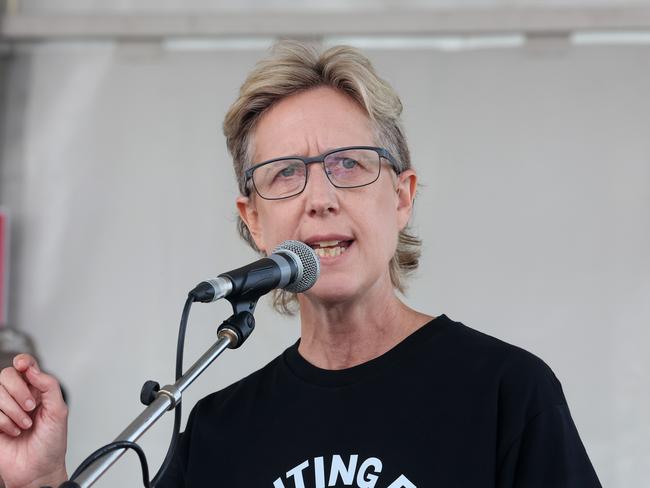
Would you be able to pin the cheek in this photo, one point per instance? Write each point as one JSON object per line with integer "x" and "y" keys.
{"x": 277, "y": 224}
{"x": 380, "y": 221}
{"x": 382, "y": 241}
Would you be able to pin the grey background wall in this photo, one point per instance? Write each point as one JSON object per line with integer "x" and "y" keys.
{"x": 534, "y": 210}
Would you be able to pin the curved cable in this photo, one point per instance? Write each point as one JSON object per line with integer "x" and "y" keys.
{"x": 180, "y": 347}
{"x": 113, "y": 446}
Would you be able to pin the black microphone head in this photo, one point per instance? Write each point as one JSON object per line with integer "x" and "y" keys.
{"x": 308, "y": 265}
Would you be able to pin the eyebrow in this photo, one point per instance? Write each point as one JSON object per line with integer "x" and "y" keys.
{"x": 295, "y": 155}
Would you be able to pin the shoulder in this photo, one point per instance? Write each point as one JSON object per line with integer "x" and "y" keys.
{"x": 471, "y": 339}
{"x": 519, "y": 374}
{"x": 519, "y": 386}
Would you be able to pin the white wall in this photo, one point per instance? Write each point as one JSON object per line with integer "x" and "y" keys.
{"x": 534, "y": 210}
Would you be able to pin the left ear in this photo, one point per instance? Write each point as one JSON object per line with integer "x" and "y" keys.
{"x": 406, "y": 185}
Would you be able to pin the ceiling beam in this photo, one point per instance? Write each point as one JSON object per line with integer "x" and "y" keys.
{"x": 302, "y": 23}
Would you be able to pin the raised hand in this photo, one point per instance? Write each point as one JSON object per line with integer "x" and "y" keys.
{"x": 33, "y": 426}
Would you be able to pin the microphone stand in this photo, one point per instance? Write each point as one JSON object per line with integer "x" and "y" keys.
{"x": 231, "y": 334}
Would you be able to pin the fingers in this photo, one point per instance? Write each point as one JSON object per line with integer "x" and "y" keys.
{"x": 16, "y": 400}
{"x": 24, "y": 361}
{"x": 7, "y": 426}
{"x": 41, "y": 383}
{"x": 50, "y": 391}
{"x": 15, "y": 385}
{"x": 24, "y": 387}
{"x": 14, "y": 415}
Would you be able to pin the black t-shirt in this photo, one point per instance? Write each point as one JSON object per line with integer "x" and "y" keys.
{"x": 447, "y": 407}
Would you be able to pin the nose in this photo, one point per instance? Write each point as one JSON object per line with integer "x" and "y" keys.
{"x": 321, "y": 195}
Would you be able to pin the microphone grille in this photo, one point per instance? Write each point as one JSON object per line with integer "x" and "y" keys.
{"x": 310, "y": 265}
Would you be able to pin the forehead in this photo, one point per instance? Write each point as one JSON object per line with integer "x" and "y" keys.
{"x": 309, "y": 123}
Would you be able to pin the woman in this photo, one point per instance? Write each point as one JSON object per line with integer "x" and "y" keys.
{"x": 374, "y": 393}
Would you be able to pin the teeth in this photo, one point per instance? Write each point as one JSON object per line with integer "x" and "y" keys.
{"x": 329, "y": 251}
{"x": 327, "y": 243}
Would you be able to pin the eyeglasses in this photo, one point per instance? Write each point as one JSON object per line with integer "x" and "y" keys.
{"x": 345, "y": 167}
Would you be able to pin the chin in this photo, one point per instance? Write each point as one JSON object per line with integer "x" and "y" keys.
{"x": 333, "y": 294}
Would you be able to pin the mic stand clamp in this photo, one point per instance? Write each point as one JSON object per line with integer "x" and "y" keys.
{"x": 238, "y": 327}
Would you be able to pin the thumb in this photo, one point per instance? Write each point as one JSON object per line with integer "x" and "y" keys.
{"x": 49, "y": 389}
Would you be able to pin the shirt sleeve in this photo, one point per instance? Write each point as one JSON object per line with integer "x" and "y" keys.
{"x": 539, "y": 445}
{"x": 548, "y": 454}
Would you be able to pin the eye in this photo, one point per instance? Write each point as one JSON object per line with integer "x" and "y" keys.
{"x": 349, "y": 163}
{"x": 288, "y": 171}
{"x": 283, "y": 170}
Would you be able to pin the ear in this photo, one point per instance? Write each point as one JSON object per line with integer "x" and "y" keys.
{"x": 406, "y": 187}
{"x": 250, "y": 216}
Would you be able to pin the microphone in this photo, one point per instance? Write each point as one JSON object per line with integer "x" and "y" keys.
{"x": 293, "y": 266}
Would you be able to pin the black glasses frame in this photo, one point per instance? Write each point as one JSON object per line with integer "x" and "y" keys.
{"x": 381, "y": 152}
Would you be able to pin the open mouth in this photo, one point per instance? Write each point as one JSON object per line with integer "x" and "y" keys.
{"x": 326, "y": 249}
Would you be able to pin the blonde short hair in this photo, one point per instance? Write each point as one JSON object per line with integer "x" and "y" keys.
{"x": 293, "y": 67}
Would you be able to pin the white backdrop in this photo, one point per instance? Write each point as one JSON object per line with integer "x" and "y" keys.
{"x": 534, "y": 210}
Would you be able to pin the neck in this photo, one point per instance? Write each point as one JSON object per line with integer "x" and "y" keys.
{"x": 342, "y": 335}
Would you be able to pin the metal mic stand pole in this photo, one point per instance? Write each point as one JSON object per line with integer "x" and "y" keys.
{"x": 232, "y": 333}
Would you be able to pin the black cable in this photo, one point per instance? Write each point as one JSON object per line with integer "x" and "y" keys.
{"x": 113, "y": 446}
{"x": 180, "y": 346}
{"x": 102, "y": 451}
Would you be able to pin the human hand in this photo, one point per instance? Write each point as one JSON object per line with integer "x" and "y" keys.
{"x": 33, "y": 426}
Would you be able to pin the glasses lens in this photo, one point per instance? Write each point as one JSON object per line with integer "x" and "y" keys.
{"x": 352, "y": 167}
{"x": 280, "y": 179}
